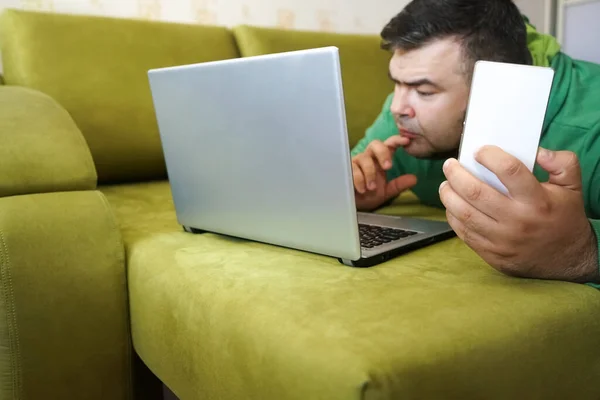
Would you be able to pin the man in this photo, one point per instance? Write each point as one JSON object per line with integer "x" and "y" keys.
{"x": 549, "y": 226}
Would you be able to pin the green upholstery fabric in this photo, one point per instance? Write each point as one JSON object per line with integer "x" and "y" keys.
{"x": 218, "y": 317}
{"x": 96, "y": 68}
{"x": 64, "y": 330}
{"x": 364, "y": 66}
{"x": 42, "y": 149}
{"x": 142, "y": 209}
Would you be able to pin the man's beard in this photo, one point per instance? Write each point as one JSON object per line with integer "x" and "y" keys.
{"x": 438, "y": 154}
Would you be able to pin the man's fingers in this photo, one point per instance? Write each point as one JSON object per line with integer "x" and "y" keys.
{"x": 473, "y": 239}
{"x": 359, "y": 180}
{"x": 563, "y": 167}
{"x": 376, "y": 159}
{"x": 396, "y": 141}
{"x": 520, "y": 182}
{"x": 472, "y": 221}
{"x": 369, "y": 171}
{"x": 399, "y": 185}
{"x": 381, "y": 153}
{"x": 475, "y": 192}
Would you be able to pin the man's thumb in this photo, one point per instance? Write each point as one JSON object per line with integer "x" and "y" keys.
{"x": 399, "y": 185}
{"x": 563, "y": 167}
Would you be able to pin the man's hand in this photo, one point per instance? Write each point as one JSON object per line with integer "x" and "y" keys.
{"x": 369, "y": 171}
{"x": 539, "y": 231}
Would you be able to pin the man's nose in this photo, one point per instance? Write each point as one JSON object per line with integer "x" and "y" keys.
{"x": 401, "y": 106}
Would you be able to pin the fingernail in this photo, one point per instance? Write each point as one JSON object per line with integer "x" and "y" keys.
{"x": 371, "y": 185}
{"x": 387, "y": 164}
{"x": 442, "y": 185}
{"x": 447, "y": 164}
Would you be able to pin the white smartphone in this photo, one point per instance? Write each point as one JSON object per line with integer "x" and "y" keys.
{"x": 507, "y": 107}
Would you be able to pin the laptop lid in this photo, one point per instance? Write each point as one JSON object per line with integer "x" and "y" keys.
{"x": 257, "y": 148}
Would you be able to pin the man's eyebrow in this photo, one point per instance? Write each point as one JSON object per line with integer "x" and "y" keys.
{"x": 417, "y": 83}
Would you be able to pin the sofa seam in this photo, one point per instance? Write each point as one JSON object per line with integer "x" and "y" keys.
{"x": 123, "y": 259}
{"x": 13, "y": 337}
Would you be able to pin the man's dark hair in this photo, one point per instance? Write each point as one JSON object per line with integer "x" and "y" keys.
{"x": 492, "y": 30}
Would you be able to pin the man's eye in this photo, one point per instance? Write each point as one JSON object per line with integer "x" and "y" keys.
{"x": 425, "y": 93}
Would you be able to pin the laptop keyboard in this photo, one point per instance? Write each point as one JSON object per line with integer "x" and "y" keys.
{"x": 372, "y": 236}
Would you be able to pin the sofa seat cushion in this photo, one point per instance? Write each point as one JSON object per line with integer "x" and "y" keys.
{"x": 218, "y": 317}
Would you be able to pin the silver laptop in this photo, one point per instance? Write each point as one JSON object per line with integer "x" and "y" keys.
{"x": 257, "y": 148}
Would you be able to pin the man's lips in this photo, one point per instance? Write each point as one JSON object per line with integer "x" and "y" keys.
{"x": 407, "y": 134}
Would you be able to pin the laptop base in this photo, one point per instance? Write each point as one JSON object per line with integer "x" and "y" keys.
{"x": 193, "y": 230}
{"x": 367, "y": 262}
{"x": 377, "y": 259}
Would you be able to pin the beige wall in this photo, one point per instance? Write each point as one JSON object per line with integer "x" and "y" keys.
{"x": 361, "y": 16}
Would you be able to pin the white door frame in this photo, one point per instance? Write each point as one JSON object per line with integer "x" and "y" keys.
{"x": 560, "y": 8}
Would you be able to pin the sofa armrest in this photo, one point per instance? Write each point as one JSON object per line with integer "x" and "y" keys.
{"x": 64, "y": 330}
{"x": 41, "y": 148}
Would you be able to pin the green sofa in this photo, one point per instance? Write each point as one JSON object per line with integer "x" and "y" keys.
{"x": 101, "y": 291}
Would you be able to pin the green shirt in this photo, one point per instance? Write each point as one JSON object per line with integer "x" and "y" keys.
{"x": 572, "y": 123}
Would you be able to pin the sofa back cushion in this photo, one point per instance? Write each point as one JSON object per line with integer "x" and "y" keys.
{"x": 364, "y": 66}
{"x": 96, "y": 68}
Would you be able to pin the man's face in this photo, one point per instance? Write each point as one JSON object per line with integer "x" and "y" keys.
{"x": 430, "y": 97}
